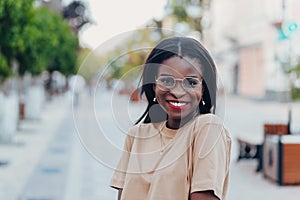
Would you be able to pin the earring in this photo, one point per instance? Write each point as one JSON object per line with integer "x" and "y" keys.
{"x": 154, "y": 99}
{"x": 203, "y": 102}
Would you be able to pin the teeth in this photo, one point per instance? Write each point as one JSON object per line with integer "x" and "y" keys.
{"x": 177, "y": 104}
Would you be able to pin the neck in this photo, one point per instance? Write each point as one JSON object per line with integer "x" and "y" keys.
{"x": 178, "y": 123}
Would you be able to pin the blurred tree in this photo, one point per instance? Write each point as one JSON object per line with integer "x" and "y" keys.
{"x": 131, "y": 54}
{"x": 76, "y": 14}
{"x": 191, "y": 12}
{"x": 39, "y": 42}
{"x": 37, "y": 38}
{"x": 14, "y": 16}
{"x": 89, "y": 64}
{"x": 180, "y": 13}
{"x": 50, "y": 44}
{"x": 5, "y": 70}
{"x": 294, "y": 71}
{"x": 65, "y": 52}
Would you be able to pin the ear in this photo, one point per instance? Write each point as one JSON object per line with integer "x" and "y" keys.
{"x": 155, "y": 98}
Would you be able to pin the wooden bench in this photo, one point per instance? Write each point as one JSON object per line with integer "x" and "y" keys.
{"x": 282, "y": 159}
{"x": 251, "y": 146}
{"x": 276, "y": 129}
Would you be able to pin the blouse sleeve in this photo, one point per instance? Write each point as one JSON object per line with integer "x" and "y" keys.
{"x": 211, "y": 157}
{"x": 118, "y": 178}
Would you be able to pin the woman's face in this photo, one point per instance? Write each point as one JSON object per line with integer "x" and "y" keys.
{"x": 180, "y": 100}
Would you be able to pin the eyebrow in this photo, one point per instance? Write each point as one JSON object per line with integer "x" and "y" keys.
{"x": 191, "y": 76}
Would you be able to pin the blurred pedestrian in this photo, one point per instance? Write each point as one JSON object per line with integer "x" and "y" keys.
{"x": 77, "y": 84}
{"x": 178, "y": 149}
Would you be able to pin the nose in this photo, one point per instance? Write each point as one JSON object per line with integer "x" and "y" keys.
{"x": 178, "y": 89}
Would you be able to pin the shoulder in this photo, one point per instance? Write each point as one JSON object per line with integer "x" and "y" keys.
{"x": 208, "y": 119}
{"x": 201, "y": 122}
{"x": 209, "y": 123}
{"x": 209, "y": 132}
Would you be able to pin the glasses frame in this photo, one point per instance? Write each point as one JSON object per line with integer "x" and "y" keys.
{"x": 166, "y": 88}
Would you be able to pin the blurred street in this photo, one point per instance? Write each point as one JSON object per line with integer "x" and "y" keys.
{"x": 53, "y": 147}
{"x": 48, "y": 161}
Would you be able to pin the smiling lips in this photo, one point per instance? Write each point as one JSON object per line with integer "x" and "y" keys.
{"x": 176, "y": 105}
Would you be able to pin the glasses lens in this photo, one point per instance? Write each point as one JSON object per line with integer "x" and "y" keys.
{"x": 169, "y": 82}
{"x": 191, "y": 82}
{"x": 166, "y": 82}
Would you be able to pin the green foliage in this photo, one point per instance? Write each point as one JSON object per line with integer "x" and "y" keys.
{"x": 296, "y": 69}
{"x": 5, "y": 70}
{"x": 64, "y": 47}
{"x": 50, "y": 45}
{"x": 180, "y": 13}
{"x": 295, "y": 93}
{"x": 289, "y": 68}
{"x": 34, "y": 58}
{"x": 14, "y": 15}
{"x": 293, "y": 70}
{"x": 37, "y": 38}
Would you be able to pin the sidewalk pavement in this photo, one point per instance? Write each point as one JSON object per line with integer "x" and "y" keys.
{"x": 242, "y": 116}
{"x": 30, "y": 142}
{"x": 245, "y": 118}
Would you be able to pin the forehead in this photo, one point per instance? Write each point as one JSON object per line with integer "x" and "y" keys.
{"x": 180, "y": 67}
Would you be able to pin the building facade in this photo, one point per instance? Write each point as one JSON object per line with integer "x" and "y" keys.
{"x": 249, "y": 49}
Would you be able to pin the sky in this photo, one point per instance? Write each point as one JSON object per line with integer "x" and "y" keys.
{"x": 113, "y": 17}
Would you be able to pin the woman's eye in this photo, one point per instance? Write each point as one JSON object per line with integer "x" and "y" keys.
{"x": 191, "y": 82}
{"x": 168, "y": 81}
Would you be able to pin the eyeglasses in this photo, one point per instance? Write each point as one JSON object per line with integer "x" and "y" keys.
{"x": 169, "y": 82}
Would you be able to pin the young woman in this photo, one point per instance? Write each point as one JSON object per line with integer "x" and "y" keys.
{"x": 178, "y": 150}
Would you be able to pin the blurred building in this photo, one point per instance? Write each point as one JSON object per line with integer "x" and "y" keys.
{"x": 250, "y": 49}
{"x": 246, "y": 39}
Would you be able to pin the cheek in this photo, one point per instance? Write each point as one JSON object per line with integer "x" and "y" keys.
{"x": 197, "y": 97}
{"x": 157, "y": 93}
{"x": 155, "y": 90}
